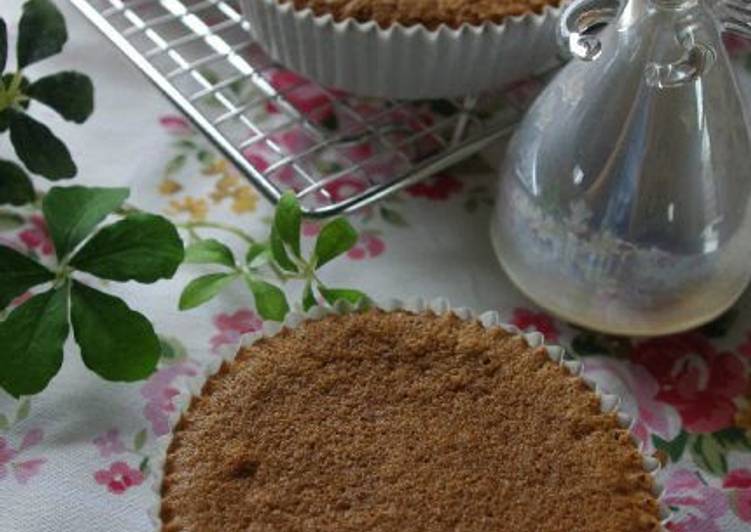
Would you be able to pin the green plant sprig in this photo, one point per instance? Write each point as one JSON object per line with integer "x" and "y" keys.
{"x": 116, "y": 342}
{"x": 280, "y": 258}
{"x": 41, "y": 34}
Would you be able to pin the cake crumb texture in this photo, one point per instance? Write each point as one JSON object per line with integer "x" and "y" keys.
{"x": 396, "y": 421}
{"x": 430, "y": 13}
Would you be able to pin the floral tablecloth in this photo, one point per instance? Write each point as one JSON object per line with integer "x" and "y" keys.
{"x": 77, "y": 456}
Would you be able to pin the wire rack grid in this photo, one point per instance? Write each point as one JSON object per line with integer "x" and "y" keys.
{"x": 336, "y": 151}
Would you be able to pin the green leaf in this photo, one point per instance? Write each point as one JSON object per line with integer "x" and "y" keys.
{"x": 141, "y": 247}
{"x": 3, "y": 45}
{"x": 336, "y": 237}
{"x": 4, "y": 422}
{"x": 332, "y": 295}
{"x": 72, "y": 213}
{"x": 41, "y": 32}
{"x": 257, "y": 255}
{"x": 308, "y": 298}
{"x": 69, "y": 93}
{"x": 15, "y": 185}
{"x": 733, "y": 438}
{"x": 673, "y": 448}
{"x": 32, "y": 338}
{"x": 709, "y": 455}
{"x": 39, "y": 149}
{"x": 139, "y": 440}
{"x": 4, "y": 120}
{"x": 279, "y": 253}
{"x": 117, "y": 343}
{"x": 595, "y": 344}
{"x": 209, "y": 251}
{"x": 203, "y": 289}
{"x": 271, "y": 303}
{"x": 143, "y": 467}
{"x": 23, "y": 410}
{"x": 18, "y": 273}
{"x": 287, "y": 221}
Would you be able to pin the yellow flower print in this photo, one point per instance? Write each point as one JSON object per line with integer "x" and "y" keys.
{"x": 195, "y": 208}
{"x": 245, "y": 200}
{"x": 219, "y": 166}
{"x": 169, "y": 187}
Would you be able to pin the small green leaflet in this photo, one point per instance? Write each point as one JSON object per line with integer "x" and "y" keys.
{"x": 71, "y": 94}
{"x": 32, "y": 337}
{"x": 140, "y": 247}
{"x": 41, "y": 32}
{"x": 336, "y": 237}
{"x": 279, "y": 253}
{"x": 10, "y": 220}
{"x": 39, "y": 149}
{"x": 172, "y": 348}
{"x": 287, "y": 221}
{"x": 72, "y": 213}
{"x": 709, "y": 455}
{"x": 271, "y": 303}
{"x": 15, "y": 185}
{"x": 674, "y": 448}
{"x": 18, "y": 273}
{"x": 4, "y": 422}
{"x": 209, "y": 251}
{"x": 203, "y": 289}
{"x": 117, "y": 343}
{"x": 332, "y": 295}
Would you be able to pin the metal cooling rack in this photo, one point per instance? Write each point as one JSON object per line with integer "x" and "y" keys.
{"x": 337, "y": 152}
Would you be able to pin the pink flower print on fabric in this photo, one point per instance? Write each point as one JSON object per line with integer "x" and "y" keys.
{"x": 638, "y": 390}
{"x": 231, "y": 327}
{"x": 739, "y": 481}
{"x": 119, "y": 477}
{"x": 37, "y": 237}
{"x": 695, "y": 377}
{"x": 109, "y": 443}
{"x": 696, "y": 505}
{"x": 22, "y": 470}
{"x": 159, "y": 394}
{"x": 176, "y": 125}
{"x": 369, "y": 246}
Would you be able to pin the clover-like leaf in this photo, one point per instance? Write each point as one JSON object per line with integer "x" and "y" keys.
{"x": 336, "y": 237}
{"x": 203, "y": 289}
{"x": 332, "y": 295}
{"x": 71, "y": 94}
{"x": 140, "y": 247}
{"x": 308, "y": 298}
{"x": 287, "y": 221}
{"x": 15, "y": 185}
{"x": 32, "y": 339}
{"x": 271, "y": 303}
{"x": 39, "y": 149}
{"x": 72, "y": 213}
{"x": 209, "y": 251}
{"x": 3, "y": 45}
{"x": 18, "y": 273}
{"x": 41, "y": 32}
{"x": 116, "y": 342}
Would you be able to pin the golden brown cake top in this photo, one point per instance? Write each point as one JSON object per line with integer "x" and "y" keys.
{"x": 430, "y": 13}
{"x": 393, "y": 422}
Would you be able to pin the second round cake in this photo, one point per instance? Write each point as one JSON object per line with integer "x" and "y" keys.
{"x": 400, "y": 421}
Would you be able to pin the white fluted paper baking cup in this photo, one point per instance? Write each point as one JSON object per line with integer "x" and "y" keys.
{"x": 406, "y": 62}
{"x": 490, "y": 319}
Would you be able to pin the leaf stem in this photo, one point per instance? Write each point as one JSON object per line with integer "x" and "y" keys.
{"x": 11, "y": 93}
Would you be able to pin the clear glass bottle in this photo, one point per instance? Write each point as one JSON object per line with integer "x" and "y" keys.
{"x": 623, "y": 202}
